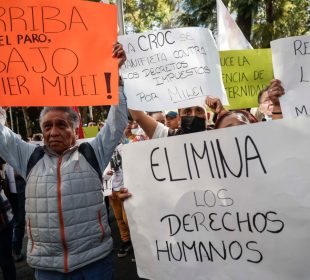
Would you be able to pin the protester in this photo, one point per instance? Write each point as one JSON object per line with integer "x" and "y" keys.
{"x": 117, "y": 182}
{"x": 216, "y": 106}
{"x": 268, "y": 98}
{"x": 117, "y": 204}
{"x": 265, "y": 105}
{"x": 100, "y": 125}
{"x": 172, "y": 120}
{"x": 91, "y": 123}
{"x": 158, "y": 116}
{"x": 128, "y": 132}
{"x": 17, "y": 199}
{"x": 6, "y": 230}
{"x": 193, "y": 119}
{"x": 234, "y": 118}
{"x": 226, "y": 118}
{"x": 137, "y": 131}
{"x": 69, "y": 235}
{"x": 37, "y": 137}
{"x": 275, "y": 91}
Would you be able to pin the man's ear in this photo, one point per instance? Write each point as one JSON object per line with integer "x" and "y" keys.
{"x": 260, "y": 109}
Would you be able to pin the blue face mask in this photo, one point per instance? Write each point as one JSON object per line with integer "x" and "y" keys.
{"x": 192, "y": 124}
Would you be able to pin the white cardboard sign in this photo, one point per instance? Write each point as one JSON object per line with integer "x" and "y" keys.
{"x": 172, "y": 68}
{"x": 291, "y": 65}
{"x": 223, "y": 204}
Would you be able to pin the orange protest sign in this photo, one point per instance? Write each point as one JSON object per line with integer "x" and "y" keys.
{"x": 57, "y": 53}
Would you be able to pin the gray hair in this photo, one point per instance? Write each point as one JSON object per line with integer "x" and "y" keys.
{"x": 73, "y": 116}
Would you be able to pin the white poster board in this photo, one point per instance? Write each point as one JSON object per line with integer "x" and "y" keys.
{"x": 188, "y": 220}
{"x": 170, "y": 69}
{"x": 291, "y": 65}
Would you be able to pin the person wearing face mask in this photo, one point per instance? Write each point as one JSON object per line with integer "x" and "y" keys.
{"x": 193, "y": 119}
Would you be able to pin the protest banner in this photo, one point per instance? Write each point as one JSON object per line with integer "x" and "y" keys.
{"x": 57, "y": 53}
{"x": 90, "y": 131}
{"x": 291, "y": 65}
{"x": 171, "y": 69}
{"x": 224, "y": 204}
{"x": 245, "y": 73}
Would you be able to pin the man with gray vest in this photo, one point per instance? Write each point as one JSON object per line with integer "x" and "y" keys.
{"x": 67, "y": 226}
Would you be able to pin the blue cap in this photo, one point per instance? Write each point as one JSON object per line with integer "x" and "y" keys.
{"x": 172, "y": 114}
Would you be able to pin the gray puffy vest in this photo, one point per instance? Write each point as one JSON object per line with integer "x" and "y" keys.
{"x": 67, "y": 223}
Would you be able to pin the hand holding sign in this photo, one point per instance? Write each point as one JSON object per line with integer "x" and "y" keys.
{"x": 123, "y": 194}
{"x": 275, "y": 91}
{"x": 214, "y": 104}
{"x": 119, "y": 53}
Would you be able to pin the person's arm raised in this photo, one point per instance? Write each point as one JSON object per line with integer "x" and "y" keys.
{"x": 110, "y": 135}
{"x": 275, "y": 91}
{"x": 14, "y": 150}
{"x": 215, "y": 105}
{"x": 119, "y": 53}
{"x": 147, "y": 123}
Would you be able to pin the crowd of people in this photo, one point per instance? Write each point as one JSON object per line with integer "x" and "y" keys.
{"x": 66, "y": 212}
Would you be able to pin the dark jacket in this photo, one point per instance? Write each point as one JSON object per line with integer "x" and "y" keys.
{"x": 5, "y": 207}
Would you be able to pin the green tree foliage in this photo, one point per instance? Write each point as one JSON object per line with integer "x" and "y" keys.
{"x": 197, "y": 13}
{"x": 260, "y": 21}
{"x": 278, "y": 19}
{"x": 146, "y": 15}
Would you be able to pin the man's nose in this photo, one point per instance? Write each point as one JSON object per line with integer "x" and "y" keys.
{"x": 54, "y": 130}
